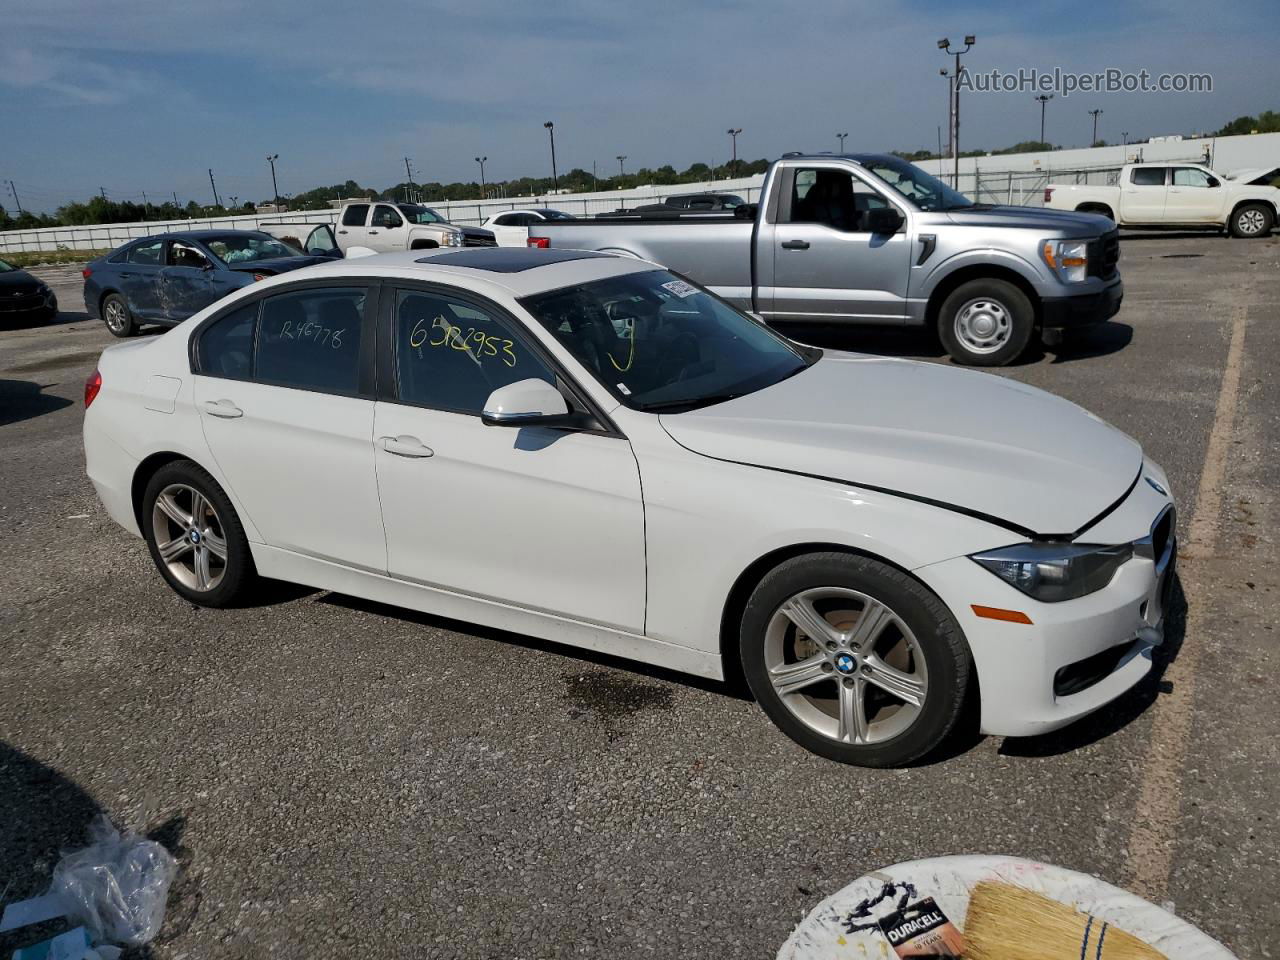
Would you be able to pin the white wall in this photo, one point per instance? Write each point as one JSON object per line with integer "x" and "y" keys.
{"x": 1013, "y": 178}
{"x": 469, "y": 212}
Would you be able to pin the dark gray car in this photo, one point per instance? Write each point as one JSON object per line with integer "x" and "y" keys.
{"x": 166, "y": 278}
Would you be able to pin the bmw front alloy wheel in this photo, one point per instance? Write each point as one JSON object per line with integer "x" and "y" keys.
{"x": 854, "y": 660}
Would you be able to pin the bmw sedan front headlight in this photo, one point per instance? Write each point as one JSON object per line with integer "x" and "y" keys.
{"x": 1069, "y": 259}
{"x": 1052, "y": 572}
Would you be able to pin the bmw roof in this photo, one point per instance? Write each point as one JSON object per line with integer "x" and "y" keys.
{"x": 520, "y": 272}
{"x": 508, "y": 259}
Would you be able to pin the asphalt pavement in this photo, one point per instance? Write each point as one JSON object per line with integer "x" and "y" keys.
{"x": 341, "y": 778}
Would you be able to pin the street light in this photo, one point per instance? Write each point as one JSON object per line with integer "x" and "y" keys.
{"x": 951, "y": 95}
{"x": 275, "y": 190}
{"x": 1043, "y": 99}
{"x": 555, "y": 180}
{"x": 1124, "y": 138}
{"x": 1094, "y": 114}
{"x": 945, "y": 45}
{"x": 840, "y": 137}
{"x": 481, "y": 160}
{"x": 621, "y": 172}
{"x": 733, "y": 167}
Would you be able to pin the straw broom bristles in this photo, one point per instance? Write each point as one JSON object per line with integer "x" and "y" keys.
{"x": 1007, "y": 922}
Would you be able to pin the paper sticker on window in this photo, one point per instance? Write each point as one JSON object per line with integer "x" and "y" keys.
{"x": 622, "y": 388}
{"x": 680, "y": 288}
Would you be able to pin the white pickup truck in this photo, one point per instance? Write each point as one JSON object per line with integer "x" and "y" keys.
{"x": 379, "y": 226}
{"x": 1185, "y": 195}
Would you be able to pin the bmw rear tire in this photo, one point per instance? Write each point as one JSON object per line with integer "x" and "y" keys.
{"x": 195, "y": 538}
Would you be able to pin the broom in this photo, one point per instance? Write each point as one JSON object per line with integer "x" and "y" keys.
{"x": 1007, "y": 922}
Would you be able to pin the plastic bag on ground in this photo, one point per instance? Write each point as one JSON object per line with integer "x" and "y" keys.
{"x": 117, "y": 886}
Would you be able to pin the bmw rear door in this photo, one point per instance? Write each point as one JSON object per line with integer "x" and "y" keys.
{"x": 284, "y": 390}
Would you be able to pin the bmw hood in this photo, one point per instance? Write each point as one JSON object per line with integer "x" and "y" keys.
{"x": 974, "y": 442}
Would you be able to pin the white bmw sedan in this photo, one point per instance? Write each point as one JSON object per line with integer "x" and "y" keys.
{"x": 591, "y": 450}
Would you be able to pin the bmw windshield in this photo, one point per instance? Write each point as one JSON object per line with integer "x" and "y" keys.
{"x": 923, "y": 190}
{"x": 659, "y": 343}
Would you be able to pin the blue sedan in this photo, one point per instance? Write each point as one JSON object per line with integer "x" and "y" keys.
{"x": 166, "y": 278}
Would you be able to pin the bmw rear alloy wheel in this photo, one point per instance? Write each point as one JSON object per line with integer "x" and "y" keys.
{"x": 195, "y": 537}
{"x": 189, "y": 537}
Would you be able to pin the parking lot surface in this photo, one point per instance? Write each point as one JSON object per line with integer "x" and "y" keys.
{"x": 341, "y": 778}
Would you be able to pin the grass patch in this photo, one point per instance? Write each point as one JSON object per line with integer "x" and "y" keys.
{"x": 40, "y": 257}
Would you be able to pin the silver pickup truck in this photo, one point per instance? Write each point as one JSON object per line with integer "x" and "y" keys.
{"x": 870, "y": 238}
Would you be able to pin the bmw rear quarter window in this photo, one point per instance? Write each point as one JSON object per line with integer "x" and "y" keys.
{"x": 226, "y": 345}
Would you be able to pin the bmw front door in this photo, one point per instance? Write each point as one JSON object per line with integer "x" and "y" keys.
{"x": 546, "y": 520}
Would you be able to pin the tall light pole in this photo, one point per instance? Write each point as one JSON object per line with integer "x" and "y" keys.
{"x": 840, "y": 137}
{"x": 945, "y": 46}
{"x": 733, "y": 167}
{"x": 1094, "y": 114}
{"x": 481, "y": 160}
{"x": 951, "y": 105}
{"x": 1124, "y": 138}
{"x": 621, "y": 172}
{"x": 1043, "y": 99}
{"x": 275, "y": 190}
{"x": 409, "y": 175}
{"x": 555, "y": 180}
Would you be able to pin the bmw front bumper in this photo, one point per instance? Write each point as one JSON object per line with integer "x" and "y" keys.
{"x": 1077, "y": 655}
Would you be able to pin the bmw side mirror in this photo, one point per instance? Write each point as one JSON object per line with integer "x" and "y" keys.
{"x": 528, "y": 403}
{"x": 1215, "y": 182}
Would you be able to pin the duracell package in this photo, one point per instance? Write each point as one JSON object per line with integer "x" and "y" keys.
{"x": 921, "y": 929}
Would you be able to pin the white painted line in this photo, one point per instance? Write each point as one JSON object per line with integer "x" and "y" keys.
{"x": 1154, "y": 836}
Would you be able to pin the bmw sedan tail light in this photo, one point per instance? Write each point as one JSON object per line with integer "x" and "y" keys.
{"x": 91, "y": 388}
{"x": 540, "y": 242}
{"x": 87, "y": 272}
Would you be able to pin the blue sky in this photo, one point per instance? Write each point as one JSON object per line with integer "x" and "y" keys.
{"x": 134, "y": 96}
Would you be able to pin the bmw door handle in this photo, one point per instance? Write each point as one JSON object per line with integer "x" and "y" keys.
{"x": 406, "y": 446}
{"x": 795, "y": 244}
{"x": 224, "y": 409}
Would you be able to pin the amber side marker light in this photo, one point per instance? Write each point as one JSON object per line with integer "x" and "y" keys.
{"x": 996, "y": 613}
